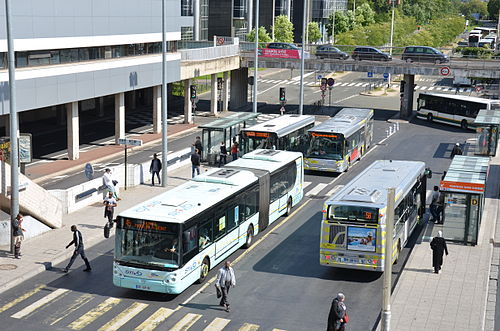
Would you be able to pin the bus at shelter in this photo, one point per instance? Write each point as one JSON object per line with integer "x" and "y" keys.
{"x": 286, "y": 133}
{"x": 337, "y": 142}
{"x": 354, "y": 218}
{"x": 168, "y": 242}
{"x": 453, "y": 109}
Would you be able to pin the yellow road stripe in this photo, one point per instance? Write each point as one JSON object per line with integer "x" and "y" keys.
{"x": 154, "y": 320}
{"x": 83, "y": 299}
{"x": 21, "y": 298}
{"x": 217, "y": 324}
{"x": 249, "y": 327}
{"x": 124, "y": 317}
{"x": 92, "y": 315}
{"x": 186, "y": 322}
{"x": 37, "y": 304}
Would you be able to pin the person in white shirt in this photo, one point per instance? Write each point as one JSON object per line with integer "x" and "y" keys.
{"x": 109, "y": 207}
{"x": 225, "y": 279}
{"x": 107, "y": 179}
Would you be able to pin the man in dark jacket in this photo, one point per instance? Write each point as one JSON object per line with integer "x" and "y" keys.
{"x": 197, "y": 145}
{"x": 336, "y": 317}
{"x": 456, "y": 150}
{"x": 17, "y": 231}
{"x": 223, "y": 154}
{"x": 155, "y": 168}
{"x": 438, "y": 246}
{"x": 79, "y": 249}
{"x": 195, "y": 162}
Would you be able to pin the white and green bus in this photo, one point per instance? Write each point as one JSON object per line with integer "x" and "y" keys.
{"x": 173, "y": 240}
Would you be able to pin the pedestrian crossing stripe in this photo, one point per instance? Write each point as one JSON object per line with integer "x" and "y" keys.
{"x": 39, "y": 303}
{"x": 155, "y": 320}
{"x": 92, "y": 315}
{"x": 21, "y": 298}
{"x": 119, "y": 320}
{"x": 186, "y": 322}
{"x": 217, "y": 324}
{"x": 80, "y": 301}
{"x": 249, "y": 327}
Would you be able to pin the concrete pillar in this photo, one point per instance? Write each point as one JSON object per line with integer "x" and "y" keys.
{"x": 213, "y": 95}
{"x": 196, "y": 20}
{"x": 188, "y": 105}
{"x": 157, "y": 109}
{"x": 406, "y": 109}
{"x": 119, "y": 116}
{"x": 239, "y": 88}
{"x": 225, "y": 92}
{"x": 73, "y": 130}
{"x": 101, "y": 107}
{"x": 250, "y": 15}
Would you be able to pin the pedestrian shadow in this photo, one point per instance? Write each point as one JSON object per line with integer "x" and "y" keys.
{"x": 202, "y": 306}
{"x": 425, "y": 271}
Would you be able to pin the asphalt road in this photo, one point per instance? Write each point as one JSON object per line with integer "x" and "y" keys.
{"x": 280, "y": 283}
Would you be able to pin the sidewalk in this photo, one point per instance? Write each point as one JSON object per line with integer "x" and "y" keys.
{"x": 44, "y": 251}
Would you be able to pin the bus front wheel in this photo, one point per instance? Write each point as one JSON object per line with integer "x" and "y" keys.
{"x": 205, "y": 268}
{"x": 249, "y": 240}
{"x": 289, "y": 207}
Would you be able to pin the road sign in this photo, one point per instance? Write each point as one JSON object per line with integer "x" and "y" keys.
{"x": 319, "y": 77}
{"x": 478, "y": 88}
{"x": 323, "y": 87}
{"x": 25, "y": 149}
{"x": 89, "y": 171}
{"x": 370, "y": 74}
{"x": 330, "y": 82}
{"x": 131, "y": 142}
{"x": 445, "y": 71}
{"x": 282, "y": 110}
{"x": 220, "y": 41}
{"x": 386, "y": 75}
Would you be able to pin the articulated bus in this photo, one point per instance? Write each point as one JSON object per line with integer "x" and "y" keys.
{"x": 453, "y": 109}
{"x": 337, "y": 142}
{"x": 173, "y": 240}
{"x": 283, "y": 133}
{"x": 354, "y": 218}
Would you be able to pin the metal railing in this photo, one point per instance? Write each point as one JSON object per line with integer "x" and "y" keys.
{"x": 209, "y": 53}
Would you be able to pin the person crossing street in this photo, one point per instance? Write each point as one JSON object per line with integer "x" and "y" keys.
{"x": 79, "y": 249}
{"x": 225, "y": 280}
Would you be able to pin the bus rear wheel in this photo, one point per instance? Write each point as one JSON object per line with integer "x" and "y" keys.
{"x": 464, "y": 125}
{"x": 289, "y": 207}
{"x": 249, "y": 239}
{"x": 204, "y": 269}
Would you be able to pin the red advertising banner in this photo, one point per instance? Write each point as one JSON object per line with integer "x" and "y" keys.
{"x": 279, "y": 53}
{"x": 457, "y": 186}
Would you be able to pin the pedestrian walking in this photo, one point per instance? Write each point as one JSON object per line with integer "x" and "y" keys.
{"x": 17, "y": 231}
{"x": 155, "y": 168}
{"x": 198, "y": 145}
{"x": 338, "y": 318}
{"x": 438, "y": 246}
{"x": 456, "y": 150}
{"x": 110, "y": 183}
{"x": 109, "y": 207}
{"x": 222, "y": 154}
{"x": 234, "y": 149}
{"x": 195, "y": 163}
{"x": 434, "y": 205}
{"x": 225, "y": 280}
{"x": 79, "y": 249}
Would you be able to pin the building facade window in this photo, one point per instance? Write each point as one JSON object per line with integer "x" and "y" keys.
{"x": 186, "y": 7}
{"x": 203, "y": 19}
{"x": 186, "y": 33}
{"x": 240, "y": 9}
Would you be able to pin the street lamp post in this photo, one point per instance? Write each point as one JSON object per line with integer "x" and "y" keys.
{"x": 256, "y": 58}
{"x": 164, "y": 91}
{"x": 389, "y": 231}
{"x": 392, "y": 27}
{"x": 302, "y": 62}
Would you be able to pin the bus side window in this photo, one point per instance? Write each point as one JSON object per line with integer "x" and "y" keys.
{"x": 233, "y": 215}
{"x": 206, "y": 235}
{"x": 190, "y": 242}
{"x": 220, "y": 226}
{"x": 252, "y": 202}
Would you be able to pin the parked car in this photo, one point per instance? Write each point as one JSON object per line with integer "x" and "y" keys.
{"x": 282, "y": 46}
{"x": 423, "y": 54}
{"x": 330, "y": 52}
{"x": 370, "y": 53}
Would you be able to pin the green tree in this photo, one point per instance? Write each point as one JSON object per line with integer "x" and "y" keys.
{"x": 365, "y": 15}
{"x": 283, "y": 29}
{"x": 313, "y": 32}
{"x": 341, "y": 23}
{"x": 474, "y": 7}
{"x": 263, "y": 35}
{"x": 493, "y": 7}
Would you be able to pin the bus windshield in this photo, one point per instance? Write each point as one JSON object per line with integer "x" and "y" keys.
{"x": 150, "y": 243}
{"x": 324, "y": 146}
{"x": 259, "y": 140}
{"x": 353, "y": 213}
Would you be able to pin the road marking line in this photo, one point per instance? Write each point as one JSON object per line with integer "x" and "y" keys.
{"x": 334, "y": 190}
{"x": 154, "y": 320}
{"x": 430, "y": 88}
{"x": 318, "y": 188}
{"x": 217, "y": 324}
{"x": 186, "y": 322}
{"x": 278, "y": 330}
{"x": 37, "y": 304}
{"x": 124, "y": 317}
{"x": 344, "y": 84}
{"x": 80, "y": 301}
{"x": 249, "y": 327}
{"x": 351, "y": 84}
{"x": 92, "y": 315}
{"x": 365, "y": 84}
{"x": 438, "y": 89}
{"x": 306, "y": 184}
{"x": 358, "y": 84}
{"x": 21, "y": 298}
{"x": 423, "y": 87}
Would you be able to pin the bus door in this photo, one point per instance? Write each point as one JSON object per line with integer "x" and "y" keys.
{"x": 226, "y": 222}
{"x": 264, "y": 198}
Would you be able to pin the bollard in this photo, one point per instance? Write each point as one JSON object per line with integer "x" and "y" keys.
{"x": 387, "y": 133}
{"x": 390, "y": 131}
{"x": 397, "y": 125}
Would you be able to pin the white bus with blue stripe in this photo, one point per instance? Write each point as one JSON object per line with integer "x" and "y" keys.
{"x": 173, "y": 240}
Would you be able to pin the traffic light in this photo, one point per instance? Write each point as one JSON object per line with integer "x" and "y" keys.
{"x": 324, "y": 81}
{"x": 402, "y": 86}
{"x": 250, "y": 80}
{"x": 282, "y": 94}
{"x": 219, "y": 83}
{"x": 192, "y": 91}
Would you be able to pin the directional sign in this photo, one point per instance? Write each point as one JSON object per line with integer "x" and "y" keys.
{"x": 89, "y": 171}
{"x": 386, "y": 75}
{"x": 370, "y": 74}
{"x": 319, "y": 77}
{"x": 330, "y": 82}
{"x": 445, "y": 71}
{"x": 130, "y": 142}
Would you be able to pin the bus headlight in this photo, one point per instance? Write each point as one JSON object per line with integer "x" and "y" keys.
{"x": 172, "y": 278}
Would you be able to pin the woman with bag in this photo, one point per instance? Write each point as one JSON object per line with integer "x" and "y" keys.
{"x": 110, "y": 183}
{"x": 338, "y": 318}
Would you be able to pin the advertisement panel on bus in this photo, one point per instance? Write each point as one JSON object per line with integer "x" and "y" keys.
{"x": 279, "y": 53}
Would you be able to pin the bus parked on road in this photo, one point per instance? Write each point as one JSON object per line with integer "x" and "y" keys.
{"x": 285, "y": 133}
{"x": 354, "y": 218}
{"x": 173, "y": 240}
{"x": 453, "y": 109}
{"x": 337, "y": 142}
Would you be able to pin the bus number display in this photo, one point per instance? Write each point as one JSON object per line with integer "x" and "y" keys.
{"x": 367, "y": 215}
{"x": 143, "y": 225}
{"x": 314, "y": 134}
{"x": 258, "y": 134}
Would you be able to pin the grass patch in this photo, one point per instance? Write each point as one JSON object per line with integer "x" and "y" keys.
{"x": 378, "y": 89}
{"x": 391, "y": 90}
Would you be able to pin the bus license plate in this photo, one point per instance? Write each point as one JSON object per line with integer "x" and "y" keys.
{"x": 142, "y": 287}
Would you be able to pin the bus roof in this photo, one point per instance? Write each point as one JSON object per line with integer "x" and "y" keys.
{"x": 265, "y": 159}
{"x": 346, "y": 122}
{"x": 282, "y": 125}
{"x": 189, "y": 199}
{"x": 369, "y": 188}
{"x": 462, "y": 97}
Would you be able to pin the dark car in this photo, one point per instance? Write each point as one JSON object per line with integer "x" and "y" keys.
{"x": 282, "y": 46}
{"x": 330, "y": 52}
{"x": 423, "y": 54}
{"x": 370, "y": 53}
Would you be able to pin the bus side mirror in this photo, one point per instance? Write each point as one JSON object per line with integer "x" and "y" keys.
{"x": 428, "y": 173}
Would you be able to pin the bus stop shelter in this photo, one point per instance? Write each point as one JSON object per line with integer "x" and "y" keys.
{"x": 463, "y": 188}
{"x": 487, "y": 124}
{"x": 223, "y": 130}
